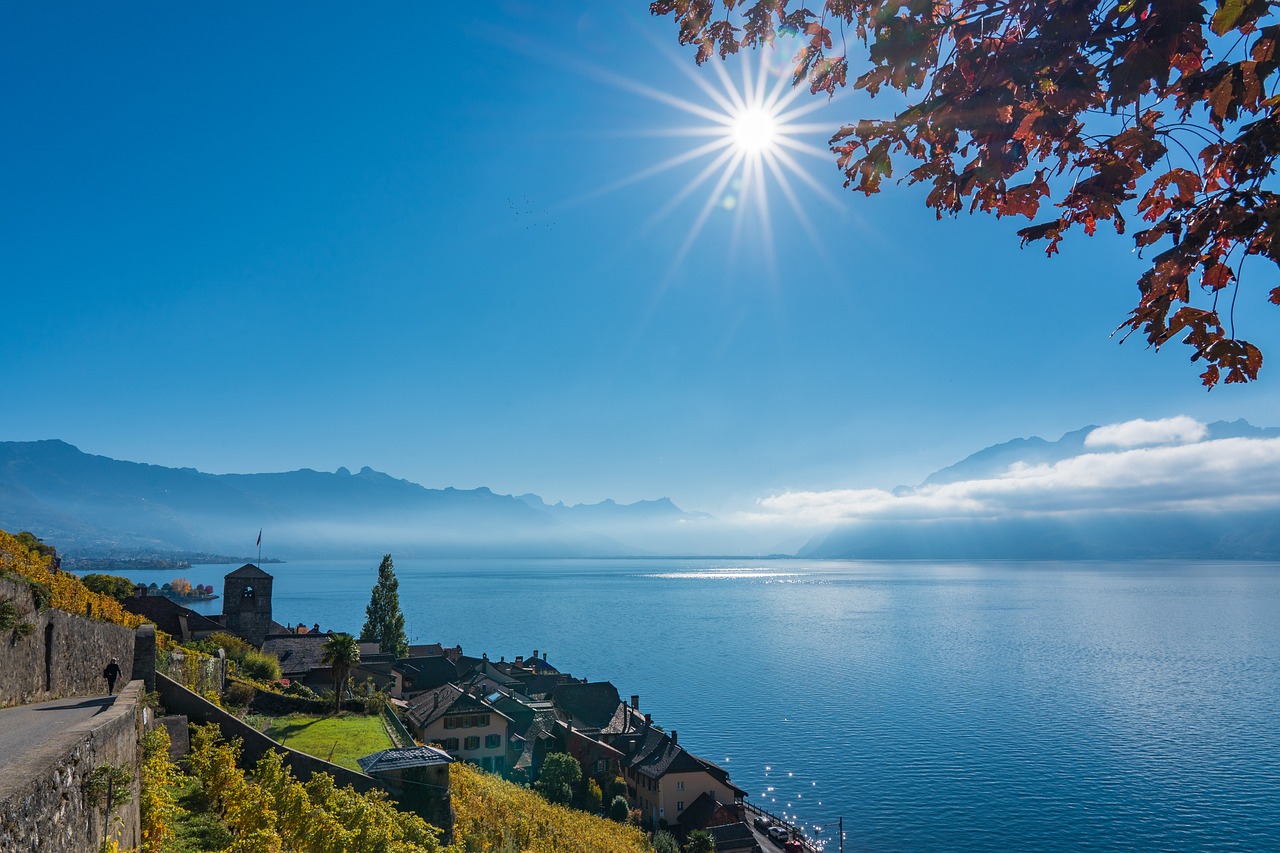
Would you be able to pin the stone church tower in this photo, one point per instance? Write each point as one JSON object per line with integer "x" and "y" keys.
{"x": 246, "y": 603}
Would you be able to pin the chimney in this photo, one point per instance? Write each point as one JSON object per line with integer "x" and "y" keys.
{"x": 535, "y": 654}
{"x": 648, "y": 719}
{"x": 635, "y": 702}
{"x": 519, "y": 660}
{"x": 675, "y": 737}
{"x": 544, "y": 655}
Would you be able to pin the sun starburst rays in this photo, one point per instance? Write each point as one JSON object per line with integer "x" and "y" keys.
{"x": 752, "y": 135}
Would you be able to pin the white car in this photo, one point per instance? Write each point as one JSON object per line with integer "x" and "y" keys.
{"x": 779, "y": 833}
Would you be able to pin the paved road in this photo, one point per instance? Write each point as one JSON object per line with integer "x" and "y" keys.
{"x": 29, "y": 731}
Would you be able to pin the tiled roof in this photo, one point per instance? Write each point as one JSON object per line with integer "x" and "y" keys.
{"x": 592, "y": 704}
{"x": 733, "y": 837}
{"x": 654, "y": 754}
{"x": 426, "y": 708}
{"x": 164, "y": 612}
{"x": 298, "y": 653}
{"x": 538, "y": 686}
{"x": 625, "y": 719}
{"x": 403, "y": 758}
{"x": 427, "y": 673}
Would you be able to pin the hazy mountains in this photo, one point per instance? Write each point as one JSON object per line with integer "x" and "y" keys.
{"x": 1173, "y": 488}
{"x": 1143, "y": 489}
{"x": 92, "y": 503}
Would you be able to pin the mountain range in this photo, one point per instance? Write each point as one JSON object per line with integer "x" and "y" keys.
{"x": 1206, "y": 510}
{"x": 1077, "y": 497}
{"x": 94, "y": 504}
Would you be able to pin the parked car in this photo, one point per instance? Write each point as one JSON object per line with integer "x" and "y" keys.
{"x": 762, "y": 823}
{"x": 779, "y": 833}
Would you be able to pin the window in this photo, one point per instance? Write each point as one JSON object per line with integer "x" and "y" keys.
{"x": 499, "y": 763}
{"x": 679, "y": 805}
{"x": 492, "y": 741}
{"x": 680, "y": 786}
{"x": 486, "y": 763}
{"x": 472, "y": 742}
{"x": 450, "y": 722}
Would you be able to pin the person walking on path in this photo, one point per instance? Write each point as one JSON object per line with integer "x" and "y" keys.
{"x": 111, "y": 673}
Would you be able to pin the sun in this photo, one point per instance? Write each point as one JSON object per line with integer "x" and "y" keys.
{"x": 753, "y": 130}
{"x": 751, "y": 140}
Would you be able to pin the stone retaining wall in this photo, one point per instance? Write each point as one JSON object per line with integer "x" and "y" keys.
{"x": 50, "y": 812}
{"x": 63, "y": 655}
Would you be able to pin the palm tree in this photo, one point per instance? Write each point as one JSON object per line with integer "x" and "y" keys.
{"x": 342, "y": 652}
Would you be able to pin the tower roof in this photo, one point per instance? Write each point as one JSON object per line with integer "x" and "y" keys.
{"x": 248, "y": 570}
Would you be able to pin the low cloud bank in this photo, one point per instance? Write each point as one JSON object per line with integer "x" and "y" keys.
{"x": 1155, "y": 466}
{"x": 1144, "y": 433}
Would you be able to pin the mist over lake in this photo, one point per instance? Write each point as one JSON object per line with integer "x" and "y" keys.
{"x": 935, "y": 706}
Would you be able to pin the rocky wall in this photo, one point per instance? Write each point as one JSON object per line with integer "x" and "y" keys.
{"x": 49, "y": 811}
{"x": 62, "y": 655}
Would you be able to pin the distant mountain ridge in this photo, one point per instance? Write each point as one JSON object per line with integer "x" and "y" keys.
{"x": 996, "y": 459}
{"x": 89, "y": 502}
{"x": 1105, "y": 533}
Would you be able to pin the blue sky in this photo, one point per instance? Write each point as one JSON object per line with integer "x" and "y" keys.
{"x": 252, "y": 239}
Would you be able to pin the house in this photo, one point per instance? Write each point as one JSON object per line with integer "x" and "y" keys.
{"x": 586, "y": 705}
{"x": 465, "y": 726}
{"x": 419, "y": 778}
{"x": 734, "y": 838}
{"x": 414, "y": 675}
{"x": 725, "y": 823}
{"x": 453, "y": 653}
{"x": 301, "y": 658}
{"x": 663, "y": 778}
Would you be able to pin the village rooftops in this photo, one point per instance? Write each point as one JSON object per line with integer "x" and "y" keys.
{"x": 655, "y": 754}
{"x": 589, "y": 705}
{"x": 169, "y": 616}
{"x": 426, "y": 673}
{"x": 706, "y": 811}
{"x": 298, "y": 653}
{"x": 428, "y": 707}
{"x": 403, "y": 758}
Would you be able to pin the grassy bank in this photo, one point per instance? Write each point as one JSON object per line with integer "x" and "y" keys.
{"x": 340, "y": 739}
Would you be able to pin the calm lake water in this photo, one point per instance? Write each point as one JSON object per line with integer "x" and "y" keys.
{"x": 935, "y": 706}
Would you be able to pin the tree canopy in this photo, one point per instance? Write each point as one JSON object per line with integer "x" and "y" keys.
{"x": 384, "y": 621}
{"x": 116, "y": 586}
{"x": 1162, "y": 111}
{"x": 558, "y": 777}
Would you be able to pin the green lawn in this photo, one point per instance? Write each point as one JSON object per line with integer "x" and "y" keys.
{"x": 347, "y": 737}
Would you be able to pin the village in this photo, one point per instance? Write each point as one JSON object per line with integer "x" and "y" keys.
{"x": 506, "y": 717}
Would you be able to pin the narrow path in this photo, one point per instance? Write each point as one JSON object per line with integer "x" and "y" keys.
{"x": 29, "y": 731}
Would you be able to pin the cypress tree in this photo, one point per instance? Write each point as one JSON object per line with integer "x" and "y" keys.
{"x": 384, "y": 622}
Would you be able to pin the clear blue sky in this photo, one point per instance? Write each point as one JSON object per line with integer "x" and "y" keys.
{"x": 253, "y": 238}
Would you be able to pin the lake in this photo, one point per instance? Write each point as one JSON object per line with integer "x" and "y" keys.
{"x": 935, "y": 706}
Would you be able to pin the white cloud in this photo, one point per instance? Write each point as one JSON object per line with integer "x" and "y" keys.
{"x": 1208, "y": 475}
{"x": 1144, "y": 433}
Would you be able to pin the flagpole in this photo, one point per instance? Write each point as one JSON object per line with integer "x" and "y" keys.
{"x": 259, "y": 547}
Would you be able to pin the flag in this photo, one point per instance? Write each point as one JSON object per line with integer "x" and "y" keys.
{"x": 258, "y": 544}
